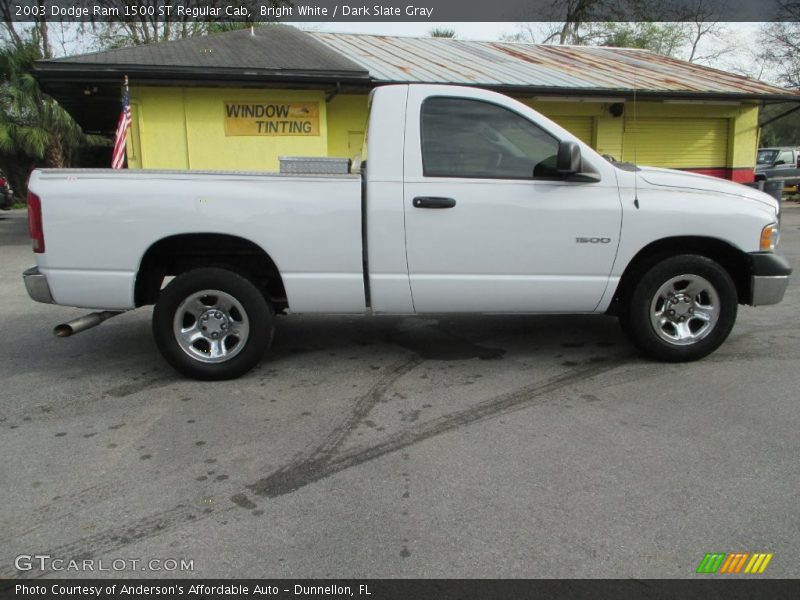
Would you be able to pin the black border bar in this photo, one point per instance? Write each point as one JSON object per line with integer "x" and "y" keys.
{"x": 257, "y": 11}
{"x": 708, "y": 587}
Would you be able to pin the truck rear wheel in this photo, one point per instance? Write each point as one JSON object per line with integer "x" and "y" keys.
{"x": 212, "y": 324}
{"x": 682, "y": 309}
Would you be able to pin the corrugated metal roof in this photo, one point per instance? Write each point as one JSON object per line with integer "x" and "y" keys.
{"x": 557, "y": 68}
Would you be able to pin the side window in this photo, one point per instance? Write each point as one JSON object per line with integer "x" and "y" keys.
{"x": 786, "y": 157}
{"x": 476, "y": 139}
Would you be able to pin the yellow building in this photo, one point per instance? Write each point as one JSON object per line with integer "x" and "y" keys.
{"x": 240, "y": 100}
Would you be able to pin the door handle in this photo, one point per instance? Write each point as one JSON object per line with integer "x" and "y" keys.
{"x": 433, "y": 202}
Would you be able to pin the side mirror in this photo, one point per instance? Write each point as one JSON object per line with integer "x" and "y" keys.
{"x": 568, "y": 159}
{"x": 779, "y": 162}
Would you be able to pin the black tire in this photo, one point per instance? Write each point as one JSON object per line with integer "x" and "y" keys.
{"x": 249, "y": 314}
{"x": 675, "y": 342}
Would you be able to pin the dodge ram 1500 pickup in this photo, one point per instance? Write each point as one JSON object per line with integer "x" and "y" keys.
{"x": 467, "y": 202}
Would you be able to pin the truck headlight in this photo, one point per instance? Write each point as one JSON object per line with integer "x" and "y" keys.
{"x": 770, "y": 236}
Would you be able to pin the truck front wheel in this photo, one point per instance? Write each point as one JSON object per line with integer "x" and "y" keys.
{"x": 212, "y": 324}
{"x": 682, "y": 308}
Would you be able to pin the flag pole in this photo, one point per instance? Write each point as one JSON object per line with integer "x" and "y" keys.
{"x": 118, "y": 157}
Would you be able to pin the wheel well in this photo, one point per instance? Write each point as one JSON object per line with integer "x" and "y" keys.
{"x": 733, "y": 260}
{"x": 173, "y": 255}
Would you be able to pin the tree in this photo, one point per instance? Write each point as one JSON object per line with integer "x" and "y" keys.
{"x": 34, "y": 128}
{"x": 38, "y": 29}
{"x": 442, "y": 32}
{"x": 576, "y": 13}
{"x": 21, "y": 34}
{"x": 673, "y": 39}
{"x": 702, "y": 23}
{"x": 784, "y": 130}
{"x": 677, "y": 29}
{"x": 780, "y": 43}
{"x": 663, "y": 38}
{"x": 149, "y": 29}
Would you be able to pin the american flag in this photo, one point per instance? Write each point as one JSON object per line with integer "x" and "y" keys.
{"x": 118, "y": 158}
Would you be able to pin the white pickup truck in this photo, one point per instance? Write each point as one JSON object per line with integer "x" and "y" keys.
{"x": 468, "y": 202}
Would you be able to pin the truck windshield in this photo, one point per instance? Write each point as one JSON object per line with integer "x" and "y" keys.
{"x": 766, "y": 157}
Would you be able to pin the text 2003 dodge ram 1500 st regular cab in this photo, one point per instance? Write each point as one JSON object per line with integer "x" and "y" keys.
{"x": 470, "y": 202}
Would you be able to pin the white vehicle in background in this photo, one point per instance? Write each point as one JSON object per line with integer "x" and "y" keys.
{"x": 469, "y": 202}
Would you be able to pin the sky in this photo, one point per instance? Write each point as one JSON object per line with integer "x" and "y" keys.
{"x": 467, "y": 31}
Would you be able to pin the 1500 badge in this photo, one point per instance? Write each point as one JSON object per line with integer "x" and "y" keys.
{"x": 592, "y": 240}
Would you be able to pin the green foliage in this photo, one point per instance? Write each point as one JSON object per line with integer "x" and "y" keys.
{"x": 442, "y": 32}
{"x": 663, "y": 38}
{"x": 34, "y": 129}
{"x": 784, "y": 131}
{"x": 780, "y": 47}
{"x": 31, "y": 123}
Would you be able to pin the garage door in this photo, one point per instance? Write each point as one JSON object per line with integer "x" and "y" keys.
{"x": 580, "y": 127}
{"x": 676, "y": 142}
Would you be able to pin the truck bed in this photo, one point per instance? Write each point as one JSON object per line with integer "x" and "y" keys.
{"x": 310, "y": 225}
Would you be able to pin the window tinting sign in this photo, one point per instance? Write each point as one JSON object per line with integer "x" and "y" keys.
{"x": 272, "y": 118}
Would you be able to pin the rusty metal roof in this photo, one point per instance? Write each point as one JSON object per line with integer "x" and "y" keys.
{"x": 545, "y": 68}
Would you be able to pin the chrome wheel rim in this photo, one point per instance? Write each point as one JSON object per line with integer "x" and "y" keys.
{"x": 685, "y": 310}
{"x": 211, "y": 326}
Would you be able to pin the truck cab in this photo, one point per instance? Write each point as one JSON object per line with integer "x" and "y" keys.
{"x": 780, "y": 163}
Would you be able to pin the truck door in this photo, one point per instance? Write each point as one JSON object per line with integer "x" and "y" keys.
{"x": 489, "y": 228}
{"x": 786, "y": 161}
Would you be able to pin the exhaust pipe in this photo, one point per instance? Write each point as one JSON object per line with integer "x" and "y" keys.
{"x": 83, "y": 323}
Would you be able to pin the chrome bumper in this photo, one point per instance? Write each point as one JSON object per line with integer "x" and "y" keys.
{"x": 37, "y": 287}
{"x": 770, "y": 278}
{"x": 768, "y": 289}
